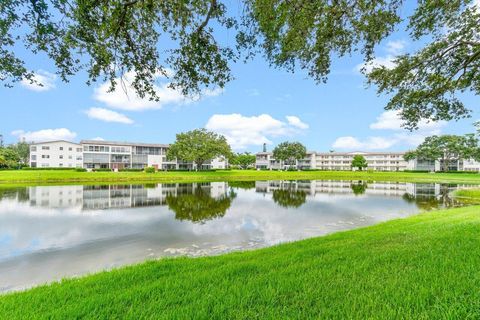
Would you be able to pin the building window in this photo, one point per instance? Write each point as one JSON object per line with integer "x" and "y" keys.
{"x": 79, "y": 149}
{"x": 33, "y": 148}
{"x": 45, "y": 148}
{"x": 60, "y": 156}
{"x": 61, "y": 148}
{"x": 60, "y": 164}
{"x": 34, "y": 157}
{"x": 70, "y": 149}
{"x": 45, "y": 156}
{"x": 69, "y": 157}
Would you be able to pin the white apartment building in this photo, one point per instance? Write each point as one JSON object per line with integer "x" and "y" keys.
{"x": 93, "y": 154}
{"x": 378, "y": 161}
{"x": 342, "y": 161}
{"x": 56, "y": 154}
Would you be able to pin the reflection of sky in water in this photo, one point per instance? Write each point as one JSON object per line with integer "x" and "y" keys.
{"x": 54, "y": 233}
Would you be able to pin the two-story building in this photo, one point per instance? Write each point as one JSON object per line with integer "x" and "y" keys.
{"x": 95, "y": 154}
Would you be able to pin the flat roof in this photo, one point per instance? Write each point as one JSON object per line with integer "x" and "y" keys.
{"x": 54, "y": 141}
{"x": 361, "y": 152}
{"x": 343, "y": 153}
{"x": 124, "y": 143}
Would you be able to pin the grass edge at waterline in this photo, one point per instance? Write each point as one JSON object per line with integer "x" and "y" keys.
{"x": 424, "y": 266}
{"x": 26, "y": 177}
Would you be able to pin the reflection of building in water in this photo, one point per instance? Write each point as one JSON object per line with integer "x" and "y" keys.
{"x": 117, "y": 196}
{"x": 129, "y": 196}
{"x": 331, "y": 186}
{"x": 313, "y": 187}
{"x": 56, "y": 196}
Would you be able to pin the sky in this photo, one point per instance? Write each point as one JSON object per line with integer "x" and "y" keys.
{"x": 261, "y": 105}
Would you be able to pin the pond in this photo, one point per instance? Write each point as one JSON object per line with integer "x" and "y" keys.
{"x": 51, "y": 232}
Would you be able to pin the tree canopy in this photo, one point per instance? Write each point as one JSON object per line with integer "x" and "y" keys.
{"x": 446, "y": 148}
{"x": 243, "y": 160}
{"x": 184, "y": 40}
{"x": 199, "y": 146}
{"x": 22, "y": 148}
{"x": 9, "y": 158}
{"x": 289, "y": 152}
{"x": 359, "y": 162}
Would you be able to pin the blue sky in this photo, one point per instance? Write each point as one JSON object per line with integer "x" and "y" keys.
{"x": 262, "y": 104}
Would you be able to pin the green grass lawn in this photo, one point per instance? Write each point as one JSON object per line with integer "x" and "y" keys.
{"x": 68, "y": 176}
{"x": 468, "y": 193}
{"x": 425, "y": 266}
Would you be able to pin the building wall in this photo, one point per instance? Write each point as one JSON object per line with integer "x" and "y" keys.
{"x": 471, "y": 165}
{"x": 391, "y": 161}
{"x": 109, "y": 155}
{"x": 56, "y": 154}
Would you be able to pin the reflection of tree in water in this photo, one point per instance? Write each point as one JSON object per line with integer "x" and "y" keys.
{"x": 421, "y": 201}
{"x": 242, "y": 184}
{"x": 359, "y": 188}
{"x": 428, "y": 199}
{"x": 21, "y": 194}
{"x": 199, "y": 205}
{"x": 289, "y": 197}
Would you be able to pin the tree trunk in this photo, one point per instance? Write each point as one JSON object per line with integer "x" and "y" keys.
{"x": 199, "y": 164}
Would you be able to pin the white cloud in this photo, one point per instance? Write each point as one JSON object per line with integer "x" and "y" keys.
{"x": 387, "y": 62}
{"x": 45, "y": 135}
{"x": 391, "y": 120}
{"x": 393, "y": 49}
{"x": 396, "y": 47}
{"x": 45, "y": 78}
{"x": 124, "y": 96}
{"x": 108, "y": 115}
{"x": 371, "y": 143}
{"x": 98, "y": 139}
{"x": 242, "y": 131}
{"x": 296, "y": 122}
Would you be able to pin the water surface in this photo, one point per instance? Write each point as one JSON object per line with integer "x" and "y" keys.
{"x": 50, "y": 232}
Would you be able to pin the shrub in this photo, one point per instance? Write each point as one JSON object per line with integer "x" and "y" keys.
{"x": 150, "y": 170}
{"x": 102, "y": 170}
{"x": 80, "y": 170}
{"x": 131, "y": 170}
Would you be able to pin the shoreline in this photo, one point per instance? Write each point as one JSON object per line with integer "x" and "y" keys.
{"x": 47, "y": 177}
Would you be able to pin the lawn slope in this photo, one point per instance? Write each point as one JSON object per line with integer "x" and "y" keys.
{"x": 426, "y": 266}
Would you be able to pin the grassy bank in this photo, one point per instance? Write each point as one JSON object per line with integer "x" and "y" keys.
{"x": 468, "y": 193}
{"x": 25, "y": 177}
{"x": 421, "y": 267}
